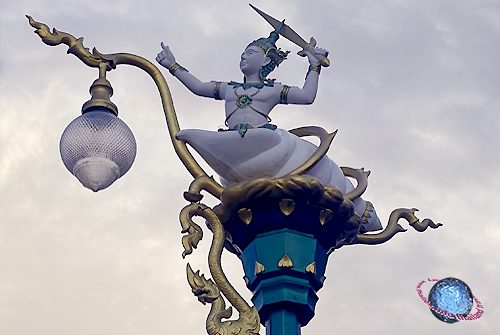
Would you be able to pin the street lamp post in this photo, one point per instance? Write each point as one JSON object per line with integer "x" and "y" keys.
{"x": 282, "y": 229}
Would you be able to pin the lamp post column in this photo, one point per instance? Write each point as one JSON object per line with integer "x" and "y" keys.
{"x": 284, "y": 255}
{"x": 282, "y": 322}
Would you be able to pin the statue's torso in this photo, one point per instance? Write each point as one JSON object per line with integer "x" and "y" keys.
{"x": 244, "y": 105}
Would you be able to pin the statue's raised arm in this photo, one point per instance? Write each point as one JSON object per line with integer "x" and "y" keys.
{"x": 307, "y": 94}
{"x": 166, "y": 59}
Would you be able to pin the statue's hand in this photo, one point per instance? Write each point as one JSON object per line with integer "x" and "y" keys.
{"x": 165, "y": 57}
{"x": 312, "y": 53}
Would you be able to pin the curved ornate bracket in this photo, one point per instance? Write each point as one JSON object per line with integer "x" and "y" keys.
{"x": 393, "y": 227}
{"x": 95, "y": 59}
{"x": 325, "y": 138}
{"x": 202, "y": 183}
{"x": 361, "y": 177}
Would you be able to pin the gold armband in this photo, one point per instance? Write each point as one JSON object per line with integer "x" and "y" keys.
{"x": 315, "y": 68}
{"x": 217, "y": 90}
{"x": 284, "y": 95}
{"x": 174, "y": 67}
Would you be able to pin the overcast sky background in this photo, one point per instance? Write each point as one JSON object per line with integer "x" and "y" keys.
{"x": 413, "y": 88}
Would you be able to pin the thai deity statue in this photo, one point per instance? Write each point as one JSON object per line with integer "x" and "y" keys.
{"x": 252, "y": 147}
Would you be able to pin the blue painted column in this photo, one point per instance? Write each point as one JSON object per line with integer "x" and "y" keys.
{"x": 284, "y": 269}
{"x": 282, "y": 322}
{"x": 284, "y": 246}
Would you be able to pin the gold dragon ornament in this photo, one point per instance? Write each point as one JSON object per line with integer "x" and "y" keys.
{"x": 205, "y": 289}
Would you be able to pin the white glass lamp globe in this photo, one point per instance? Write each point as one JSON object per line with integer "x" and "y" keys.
{"x": 97, "y": 148}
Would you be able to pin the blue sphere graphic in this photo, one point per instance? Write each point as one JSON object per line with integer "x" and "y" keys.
{"x": 453, "y": 296}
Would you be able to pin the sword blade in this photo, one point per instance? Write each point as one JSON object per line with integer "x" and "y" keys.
{"x": 286, "y": 31}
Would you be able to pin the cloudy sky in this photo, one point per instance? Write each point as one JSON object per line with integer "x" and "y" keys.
{"x": 413, "y": 89}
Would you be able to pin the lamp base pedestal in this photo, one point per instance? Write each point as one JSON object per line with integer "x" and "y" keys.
{"x": 283, "y": 231}
{"x": 284, "y": 269}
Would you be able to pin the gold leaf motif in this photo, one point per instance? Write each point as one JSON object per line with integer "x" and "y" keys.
{"x": 325, "y": 215}
{"x": 259, "y": 268}
{"x": 287, "y": 206}
{"x": 245, "y": 215}
{"x": 366, "y": 214}
{"x": 205, "y": 289}
{"x": 195, "y": 233}
{"x": 311, "y": 268}
{"x": 285, "y": 262}
{"x": 75, "y": 45}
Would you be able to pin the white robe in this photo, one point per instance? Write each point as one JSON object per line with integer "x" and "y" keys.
{"x": 266, "y": 153}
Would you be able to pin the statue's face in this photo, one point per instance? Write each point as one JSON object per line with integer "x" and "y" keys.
{"x": 252, "y": 59}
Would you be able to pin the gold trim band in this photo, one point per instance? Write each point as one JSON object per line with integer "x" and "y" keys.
{"x": 217, "y": 90}
{"x": 315, "y": 68}
{"x": 174, "y": 67}
{"x": 284, "y": 95}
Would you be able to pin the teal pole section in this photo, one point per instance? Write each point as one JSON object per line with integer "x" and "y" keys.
{"x": 284, "y": 269}
{"x": 284, "y": 246}
{"x": 282, "y": 322}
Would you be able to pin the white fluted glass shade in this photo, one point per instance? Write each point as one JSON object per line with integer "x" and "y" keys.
{"x": 98, "y": 148}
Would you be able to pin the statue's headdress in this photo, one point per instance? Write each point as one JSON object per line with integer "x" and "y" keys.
{"x": 268, "y": 47}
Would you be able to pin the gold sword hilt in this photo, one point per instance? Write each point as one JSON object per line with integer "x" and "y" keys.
{"x": 310, "y": 48}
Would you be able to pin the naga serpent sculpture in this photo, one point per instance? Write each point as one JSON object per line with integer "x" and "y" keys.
{"x": 205, "y": 289}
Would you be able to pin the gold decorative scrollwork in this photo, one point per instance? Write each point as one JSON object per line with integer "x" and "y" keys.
{"x": 195, "y": 233}
{"x": 325, "y": 138}
{"x": 393, "y": 227}
{"x": 208, "y": 291}
{"x": 367, "y": 213}
{"x": 75, "y": 45}
{"x": 361, "y": 177}
{"x": 303, "y": 187}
